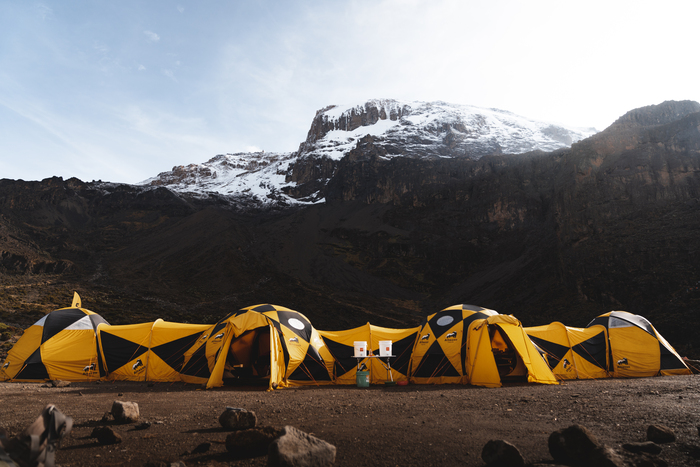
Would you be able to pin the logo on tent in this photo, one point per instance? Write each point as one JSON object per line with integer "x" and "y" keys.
{"x": 294, "y": 340}
{"x": 219, "y": 336}
{"x": 567, "y": 365}
{"x": 452, "y": 335}
{"x": 205, "y": 336}
{"x": 89, "y": 368}
{"x": 138, "y": 366}
{"x": 425, "y": 338}
{"x": 623, "y": 362}
{"x": 7, "y": 363}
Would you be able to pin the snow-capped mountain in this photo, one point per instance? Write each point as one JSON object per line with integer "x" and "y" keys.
{"x": 403, "y": 129}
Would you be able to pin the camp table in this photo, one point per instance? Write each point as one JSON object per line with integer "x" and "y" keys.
{"x": 386, "y": 365}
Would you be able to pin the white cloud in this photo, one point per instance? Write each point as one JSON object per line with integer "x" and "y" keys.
{"x": 152, "y": 36}
{"x": 44, "y": 10}
{"x": 181, "y": 9}
{"x": 141, "y": 67}
{"x": 170, "y": 74}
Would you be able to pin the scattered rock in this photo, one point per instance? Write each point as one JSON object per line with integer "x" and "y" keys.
{"x": 648, "y": 446}
{"x": 294, "y": 448}
{"x": 577, "y": 446}
{"x": 500, "y": 453}
{"x": 125, "y": 412}
{"x": 202, "y": 448}
{"x": 106, "y": 435}
{"x": 660, "y": 434}
{"x": 570, "y": 445}
{"x": 143, "y": 425}
{"x": 237, "y": 419}
{"x": 108, "y": 417}
{"x": 253, "y": 442}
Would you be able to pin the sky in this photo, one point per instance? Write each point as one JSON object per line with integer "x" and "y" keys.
{"x": 123, "y": 90}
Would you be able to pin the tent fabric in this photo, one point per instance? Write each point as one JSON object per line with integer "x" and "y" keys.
{"x": 573, "y": 353}
{"x": 499, "y": 350}
{"x": 340, "y": 345}
{"x": 441, "y": 346}
{"x": 297, "y": 354}
{"x": 636, "y": 349}
{"x": 61, "y": 345}
{"x": 147, "y": 351}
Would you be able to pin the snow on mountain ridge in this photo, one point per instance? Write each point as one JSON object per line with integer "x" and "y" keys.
{"x": 406, "y": 129}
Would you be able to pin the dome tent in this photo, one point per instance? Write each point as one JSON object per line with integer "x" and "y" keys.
{"x": 261, "y": 343}
{"x": 440, "y": 349}
{"x": 473, "y": 345}
{"x": 60, "y": 346}
{"x": 636, "y": 349}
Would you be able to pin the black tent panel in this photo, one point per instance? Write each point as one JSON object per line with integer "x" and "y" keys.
{"x": 173, "y": 353}
{"x": 198, "y": 365}
{"x": 297, "y": 323}
{"x": 344, "y": 361}
{"x": 58, "y": 320}
{"x": 311, "y": 369}
{"x": 264, "y": 308}
{"x": 602, "y": 320}
{"x": 403, "y": 349}
{"x": 593, "y": 350}
{"x": 119, "y": 351}
{"x": 669, "y": 360}
{"x": 554, "y": 352}
{"x": 33, "y": 368}
{"x": 443, "y": 321}
{"x": 435, "y": 364}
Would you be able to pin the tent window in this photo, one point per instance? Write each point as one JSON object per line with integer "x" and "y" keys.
{"x": 619, "y": 323}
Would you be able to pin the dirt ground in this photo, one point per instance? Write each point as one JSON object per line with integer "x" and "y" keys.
{"x": 377, "y": 426}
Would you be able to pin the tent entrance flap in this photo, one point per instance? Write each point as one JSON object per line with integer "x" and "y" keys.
{"x": 248, "y": 359}
{"x": 510, "y": 366}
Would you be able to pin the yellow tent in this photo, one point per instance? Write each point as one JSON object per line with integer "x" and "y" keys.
{"x": 573, "y": 353}
{"x": 636, "y": 349}
{"x": 60, "y": 346}
{"x": 441, "y": 346}
{"x": 263, "y": 344}
{"x": 498, "y": 350}
{"x": 340, "y": 344}
{"x": 147, "y": 351}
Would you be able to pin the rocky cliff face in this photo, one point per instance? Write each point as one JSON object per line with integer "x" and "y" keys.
{"x": 609, "y": 223}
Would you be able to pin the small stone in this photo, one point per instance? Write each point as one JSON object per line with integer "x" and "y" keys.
{"x": 572, "y": 445}
{"x": 125, "y": 412}
{"x": 60, "y": 384}
{"x": 143, "y": 425}
{"x": 500, "y": 453}
{"x": 106, "y": 435}
{"x": 660, "y": 434}
{"x": 202, "y": 448}
{"x": 647, "y": 446}
{"x": 237, "y": 419}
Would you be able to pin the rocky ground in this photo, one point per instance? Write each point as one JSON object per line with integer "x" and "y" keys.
{"x": 379, "y": 426}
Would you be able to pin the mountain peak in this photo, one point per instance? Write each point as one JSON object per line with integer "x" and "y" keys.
{"x": 660, "y": 114}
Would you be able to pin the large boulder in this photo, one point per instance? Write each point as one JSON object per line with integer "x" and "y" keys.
{"x": 500, "y": 453}
{"x": 237, "y": 419}
{"x": 577, "y": 446}
{"x": 125, "y": 412}
{"x": 253, "y": 442}
{"x": 294, "y": 448}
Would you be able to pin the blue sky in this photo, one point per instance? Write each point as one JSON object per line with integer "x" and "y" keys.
{"x": 123, "y": 90}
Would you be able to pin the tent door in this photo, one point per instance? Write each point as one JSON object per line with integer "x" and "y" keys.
{"x": 511, "y": 367}
{"x": 248, "y": 359}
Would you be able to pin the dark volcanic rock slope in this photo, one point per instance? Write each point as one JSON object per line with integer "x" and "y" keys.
{"x": 610, "y": 223}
